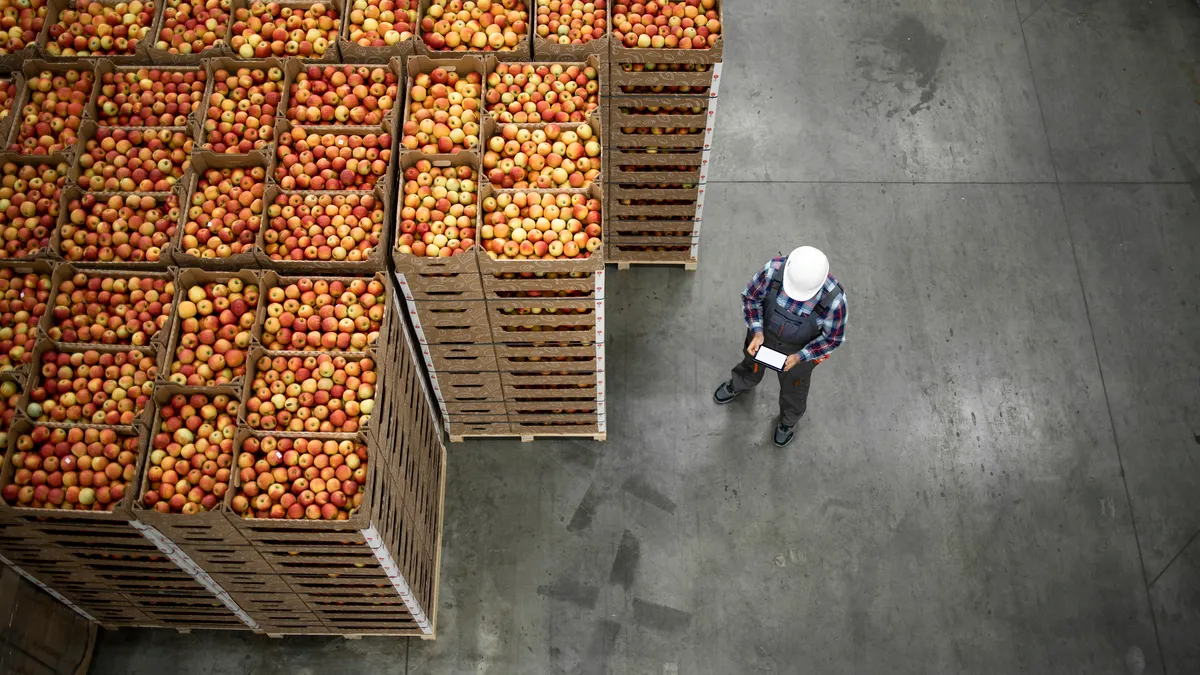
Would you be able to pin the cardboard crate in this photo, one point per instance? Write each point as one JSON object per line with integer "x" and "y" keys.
{"x": 521, "y": 357}
{"x": 548, "y": 384}
{"x": 108, "y": 67}
{"x": 16, "y": 84}
{"x": 598, "y": 62}
{"x": 294, "y": 67}
{"x": 14, "y": 162}
{"x": 559, "y": 266}
{"x": 162, "y": 200}
{"x": 492, "y": 128}
{"x": 651, "y": 254}
{"x": 423, "y": 273}
{"x": 508, "y": 286}
{"x": 478, "y": 425}
{"x": 665, "y": 166}
{"x": 556, "y": 424}
{"x": 249, "y": 422}
{"x": 352, "y": 52}
{"x": 187, "y": 278}
{"x": 88, "y": 131}
{"x": 138, "y": 52}
{"x": 547, "y": 50}
{"x": 11, "y": 63}
{"x": 455, "y": 358}
{"x": 693, "y": 140}
{"x": 645, "y": 207}
{"x": 231, "y": 64}
{"x": 655, "y": 78}
{"x": 30, "y": 69}
{"x": 141, "y": 418}
{"x": 332, "y": 7}
{"x": 376, "y": 258}
{"x": 459, "y": 62}
{"x": 474, "y": 408}
{"x": 20, "y": 373}
{"x": 670, "y": 231}
{"x": 251, "y": 582}
{"x": 521, "y": 52}
{"x": 619, "y": 53}
{"x": 470, "y": 387}
{"x": 694, "y": 111}
{"x": 272, "y": 280}
{"x": 284, "y": 130}
{"x": 451, "y": 321}
{"x": 67, "y": 271}
{"x": 164, "y": 57}
{"x": 543, "y": 326}
{"x": 201, "y": 163}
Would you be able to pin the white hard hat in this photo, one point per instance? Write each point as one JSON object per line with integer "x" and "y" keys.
{"x": 805, "y": 273}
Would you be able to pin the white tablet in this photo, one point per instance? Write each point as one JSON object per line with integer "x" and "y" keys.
{"x": 770, "y": 358}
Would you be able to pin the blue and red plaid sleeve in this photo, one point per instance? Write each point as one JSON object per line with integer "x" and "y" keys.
{"x": 756, "y": 292}
{"x": 833, "y": 331}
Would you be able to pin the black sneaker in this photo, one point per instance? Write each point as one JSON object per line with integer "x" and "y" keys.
{"x": 724, "y": 394}
{"x": 784, "y": 435}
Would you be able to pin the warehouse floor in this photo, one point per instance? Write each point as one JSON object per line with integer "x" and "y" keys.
{"x": 999, "y": 472}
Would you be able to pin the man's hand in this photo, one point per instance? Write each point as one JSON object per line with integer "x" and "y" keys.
{"x": 755, "y": 343}
{"x": 791, "y": 362}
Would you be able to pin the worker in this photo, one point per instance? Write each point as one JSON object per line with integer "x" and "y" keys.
{"x": 793, "y": 305}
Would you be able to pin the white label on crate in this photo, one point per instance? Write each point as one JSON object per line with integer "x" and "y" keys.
{"x": 710, "y": 123}
{"x": 704, "y": 161}
{"x": 716, "y": 80}
{"x": 401, "y": 585}
{"x": 33, "y": 580}
{"x": 600, "y": 387}
{"x": 402, "y": 282}
{"x": 600, "y": 285}
{"x": 695, "y": 251}
{"x": 429, "y": 397}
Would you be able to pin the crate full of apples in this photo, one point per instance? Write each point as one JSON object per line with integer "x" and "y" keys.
{"x": 293, "y": 28}
{"x": 438, "y": 209}
{"x": 92, "y": 385}
{"x": 32, "y": 193}
{"x": 131, "y": 159}
{"x": 324, "y": 232}
{"x": 25, "y": 291}
{"x": 542, "y": 156}
{"x": 216, "y": 318}
{"x": 445, "y": 104}
{"x": 240, "y": 106}
{"x": 52, "y": 108}
{"x": 570, "y": 30}
{"x": 146, "y": 96}
{"x": 100, "y": 29}
{"x": 541, "y": 231}
{"x": 376, "y": 31}
{"x": 669, "y": 31}
{"x": 529, "y": 93}
{"x": 354, "y": 158}
{"x": 309, "y": 392}
{"x": 498, "y": 28}
{"x": 116, "y": 230}
{"x": 109, "y": 308}
{"x": 351, "y": 94}
{"x": 223, "y": 201}
{"x": 188, "y": 31}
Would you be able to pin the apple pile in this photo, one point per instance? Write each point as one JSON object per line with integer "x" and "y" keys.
{"x": 7, "y": 94}
{"x": 667, "y": 24}
{"x": 663, "y": 110}
{"x": 23, "y": 301}
{"x": 23, "y": 21}
{"x": 382, "y": 23}
{"x": 324, "y": 315}
{"x": 95, "y": 28}
{"x": 29, "y": 201}
{"x": 125, "y": 228}
{"x": 92, "y": 387}
{"x": 10, "y": 395}
{"x": 664, "y": 68}
{"x": 543, "y": 158}
{"x": 297, "y": 478}
{"x": 331, "y": 161}
{"x": 547, "y": 92}
{"x": 72, "y": 469}
{"x": 437, "y": 217}
{"x": 323, "y": 227}
{"x": 266, "y": 29}
{"x": 225, "y": 213}
{"x": 214, "y": 333}
{"x": 51, "y": 116}
{"x": 241, "y": 110}
{"x": 112, "y": 310}
{"x": 521, "y": 225}
{"x": 571, "y": 22}
{"x": 443, "y": 112}
{"x": 359, "y": 95}
{"x": 148, "y": 97}
{"x": 486, "y": 25}
{"x": 134, "y": 160}
{"x": 318, "y": 393}
{"x": 526, "y": 276}
{"x": 191, "y": 26}
{"x": 191, "y": 455}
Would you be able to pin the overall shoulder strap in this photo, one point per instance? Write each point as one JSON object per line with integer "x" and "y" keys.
{"x": 825, "y": 303}
{"x": 777, "y": 278}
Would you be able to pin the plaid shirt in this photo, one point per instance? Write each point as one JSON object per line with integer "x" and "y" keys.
{"x": 833, "y": 324}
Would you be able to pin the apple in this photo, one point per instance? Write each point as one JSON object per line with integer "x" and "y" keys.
{"x": 381, "y": 23}
{"x": 241, "y": 109}
{"x": 312, "y": 161}
{"x": 225, "y": 213}
{"x": 545, "y": 157}
{"x": 484, "y": 26}
{"x": 10, "y": 396}
{"x": 514, "y": 225}
{"x": 8, "y": 92}
{"x": 571, "y": 22}
{"x": 72, "y": 469}
{"x": 53, "y": 112}
{"x": 312, "y": 226}
{"x": 118, "y": 228}
{"x": 316, "y": 393}
{"x": 324, "y": 315}
{"x": 667, "y": 24}
{"x": 265, "y": 29}
{"x": 664, "y": 68}
{"x": 443, "y": 114}
{"x": 437, "y": 215}
{"x": 330, "y": 486}
{"x": 190, "y": 27}
{"x": 215, "y": 320}
{"x": 96, "y": 28}
{"x": 134, "y": 160}
{"x": 191, "y": 453}
{"x": 102, "y": 308}
{"x": 545, "y": 92}
{"x": 349, "y": 95}
{"x": 149, "y": 97}
{"x": 23, "y": 301}
{"x": 29, "y": 203}
{"x": 91, "y": 387}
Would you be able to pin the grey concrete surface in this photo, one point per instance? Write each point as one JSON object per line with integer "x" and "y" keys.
{"x": 998, "y": 473}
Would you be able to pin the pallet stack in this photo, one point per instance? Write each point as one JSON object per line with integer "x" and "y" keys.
{"x": 274, "y": 327}
{"x": 513, "y": 343}
{"x": 660, "y": 122}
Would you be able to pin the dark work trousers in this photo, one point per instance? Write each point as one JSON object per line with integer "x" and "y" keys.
{"x": 793, "y": 385}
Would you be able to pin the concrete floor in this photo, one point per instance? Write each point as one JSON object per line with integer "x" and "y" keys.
{"x": 999, "y": 472}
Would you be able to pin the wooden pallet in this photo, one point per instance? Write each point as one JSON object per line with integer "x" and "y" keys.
{"x": 690, "y": 266}
{"x": 529, "y": 438}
